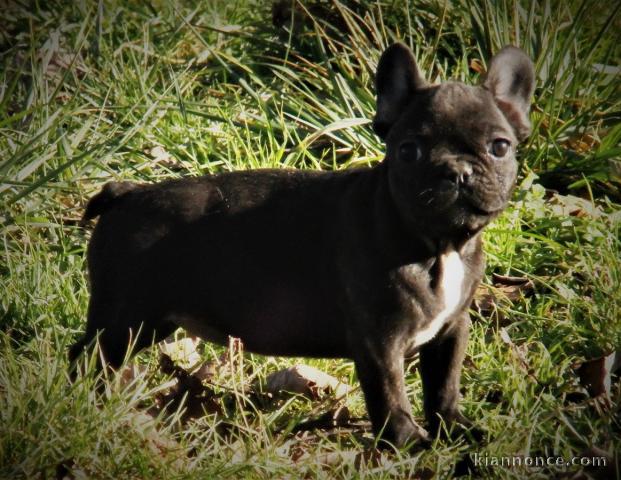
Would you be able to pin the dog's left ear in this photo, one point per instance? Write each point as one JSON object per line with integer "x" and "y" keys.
{"x": 396, "y": 82}
{"x": 511, "y": 79}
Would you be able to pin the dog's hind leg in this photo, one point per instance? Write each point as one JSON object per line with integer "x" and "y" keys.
{"x": 98, "y": 317}
{"x": 120, "y": 328}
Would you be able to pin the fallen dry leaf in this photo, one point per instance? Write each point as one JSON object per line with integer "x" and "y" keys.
{"x": 130, "y": 373}
{"x": 572, "y": 206}
{"x": 582, "y": 143}
{"x": 477, "y": 66}
{"x": 500, "y": 280}
{"x": 594, "y": 374}
{"x": 373, "y": 458}
{"x": 157, "y": 442}
{"x": 188, "y": 391}
{"x": 305, "y": 380}
{"x": 369, "y": 459}
{"x": 234, "y": 354}
{"x": 54, "y": 58}
{"x": 517, "y": 352}
{"x": 159, "y": 155}
{"x": 331, "y": 459}
{"x": 337, "y": 417}
{"x": 206, "y": 370}
{"x": 182, "y": 351}
{"x": 504, "y": 290}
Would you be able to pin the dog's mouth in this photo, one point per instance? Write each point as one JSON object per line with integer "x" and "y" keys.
{"x": 482, "y": 211}
{"x": 477, "y": 213}
{"x": 483, "y": 207}
{"x": 469, "y": 204}
{"x": 461, "y": 211}
{"x": 459, "y": 206}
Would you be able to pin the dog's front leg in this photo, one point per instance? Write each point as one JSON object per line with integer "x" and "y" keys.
{"x": 379, "y": 364}
{"x": 440, "y": 366}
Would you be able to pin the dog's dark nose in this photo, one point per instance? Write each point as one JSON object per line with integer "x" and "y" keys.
{"x": 463, "y": 173}
{"x": 459, "y": 174}
{"x": 464, "y": 177}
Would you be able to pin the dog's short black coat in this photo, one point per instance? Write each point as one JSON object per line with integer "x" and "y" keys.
{"x": 371, "y": 264}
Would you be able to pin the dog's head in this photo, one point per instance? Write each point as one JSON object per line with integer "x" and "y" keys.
{"x": 451, "y": 147}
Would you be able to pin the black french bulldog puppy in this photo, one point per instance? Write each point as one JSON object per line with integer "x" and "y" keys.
{"x": 371, "y": 264}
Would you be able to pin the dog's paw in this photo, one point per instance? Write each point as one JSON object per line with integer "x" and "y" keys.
{"x": 405, "y": 433}
{"x": 417, "y": 439}
{"x": 457, "y": 426}
{"x": 465, "y": 466}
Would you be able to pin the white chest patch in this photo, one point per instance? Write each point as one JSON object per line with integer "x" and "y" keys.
{"x": 450, "y": 284}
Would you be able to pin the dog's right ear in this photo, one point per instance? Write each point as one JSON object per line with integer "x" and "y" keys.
{"x": 396, "y": 82}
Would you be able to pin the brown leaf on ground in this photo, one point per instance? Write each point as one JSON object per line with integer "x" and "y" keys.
{"x": 369, "y": 459}
{"x": 234, "y": 354}
{"x": 55, "y": 58}
{"x": 182, "y": 351}
{"x": 594, "y": 374}
{"x": 477, "y": 66}
{"x": 302, "y": 16}
{"x": 160, "y": 444}
{"x": 206, "y": 370}
{"x": 517, "y": 352}
{"x": 582, "y": 143}
{"x": 337, "y": 417}
{"x": 160, "y": 155}
{"x": 331, "y": 459}
{"x": 188, "y": 391}
{"x": 130, "y": 373}
{"x": 504, "y": 290}
{"x": 305, "y": 380}
{"x": 500, "y": 280}
{"x": 372, "y": 458}
{"x": 572, "y": 206}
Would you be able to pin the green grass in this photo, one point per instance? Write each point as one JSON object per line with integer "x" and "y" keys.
{"x": 145, "y": 91}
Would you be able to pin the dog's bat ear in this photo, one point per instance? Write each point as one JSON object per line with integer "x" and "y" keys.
{"x": 511, "y": 79}
{"x": 396, "y": 81}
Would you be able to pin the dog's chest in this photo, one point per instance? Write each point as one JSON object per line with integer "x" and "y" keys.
{"x": 450, "y": 293}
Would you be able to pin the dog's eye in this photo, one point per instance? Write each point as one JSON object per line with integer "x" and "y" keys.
{"x": 500, "y": 147}
{"x": 410, "y": 152}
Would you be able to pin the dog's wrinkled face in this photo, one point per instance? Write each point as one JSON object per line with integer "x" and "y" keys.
{"x": 452, "y": 158}
{"x": 451, "y": 147}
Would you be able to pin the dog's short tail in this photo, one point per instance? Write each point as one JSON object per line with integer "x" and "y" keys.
{"x": 108, "y": 196}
